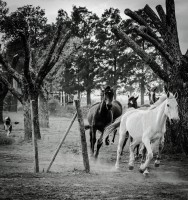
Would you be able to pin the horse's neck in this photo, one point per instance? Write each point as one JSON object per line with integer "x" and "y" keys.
{"x": 161, "y": 116}
{"x": 102, "y": 107}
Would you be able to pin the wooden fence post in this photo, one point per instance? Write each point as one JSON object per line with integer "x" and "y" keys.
{"x": 83, "y": 137}
{"x": 63, "y": 139}
{"x": 35, "y": 146}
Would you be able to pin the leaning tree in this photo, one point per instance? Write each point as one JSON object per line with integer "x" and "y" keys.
{"x": 27, "y": 24}
{"x": 173, "y": 70}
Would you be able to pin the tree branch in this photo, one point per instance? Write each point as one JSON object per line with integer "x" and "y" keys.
{"x": 10, "y": 70}
{"x": 15, "y": 61}
{"x": 52, "y": 48}
{"x": 45, "y": 70}
{"x": 60, "y": 49}
{"x": 186, "y": 54}
{"x": 148, "y": 60}
{"x": 155, "y": 19}
{"x": 11, "y": 89}
{"x": 159, "y": 46}
{"x": 162, "y": 15}
{"x": 172, "y": 24}
{"x": 141, "y": 21}
{"x": 27, "y": 50}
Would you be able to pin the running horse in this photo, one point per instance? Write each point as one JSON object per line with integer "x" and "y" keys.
{"x": 146, "y": 126}
{"x": 132, "y": 104}
{"x": 100, "y": 115}
{"x": 132, "y": 101}
{"x": 152, "y": 95}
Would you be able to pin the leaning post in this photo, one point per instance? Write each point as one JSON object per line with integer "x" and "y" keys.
{"x": 83, "y": 137}
{"x": 63, "y": 139}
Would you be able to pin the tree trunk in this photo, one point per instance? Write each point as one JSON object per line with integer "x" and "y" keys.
{"x": 79, "y": 94}
{"x": 14, "y": 104}
{"x": 176, "y": 138}
{"x": 142, "y": 90}
{"x": 36, "y": 125}
{"x": 88, "y": 97}
{"x": 3, "y": 93}
{"x": 1, "y": 110}
{"x": 43, "y": 110}
{"x": 27, "y": 121}
{"x": 115, "y": 96}
{"x": 182, "y": 137}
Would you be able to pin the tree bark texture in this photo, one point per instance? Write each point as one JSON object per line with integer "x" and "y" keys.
{"x": 43, "y": 110}
{"x": 35, "y": 113}
{"x": 3, "y": 93}
{"x": 27, "y": 121}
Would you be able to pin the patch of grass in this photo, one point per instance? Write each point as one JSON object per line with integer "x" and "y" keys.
{"x": 4, "y": 140}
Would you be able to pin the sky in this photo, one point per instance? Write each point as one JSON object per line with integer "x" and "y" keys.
{"x": 98, "y": 6}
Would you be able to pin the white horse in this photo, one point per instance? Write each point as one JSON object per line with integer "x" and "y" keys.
{"x": 146, "y": 126}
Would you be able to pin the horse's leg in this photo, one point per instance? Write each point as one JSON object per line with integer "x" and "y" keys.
{"x": 147, "y": 144}
{"x": 114, "y": 136}
{"x": 143, "y": 154}
{"x": 137, "y": 151}
{"x": 99, "y": 144}
{"x": 161, "y": 145}
{"x": 122, "y": 136}
{"x": 132, "y": 157}
{"x": 125, "y": 141}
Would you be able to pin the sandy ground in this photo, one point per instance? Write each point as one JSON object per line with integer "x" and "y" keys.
{"x": 67, "y": 179}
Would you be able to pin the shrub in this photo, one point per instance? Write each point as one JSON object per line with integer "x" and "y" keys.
{"x": 54, "y": 106}
{"x": 4, "y": 140}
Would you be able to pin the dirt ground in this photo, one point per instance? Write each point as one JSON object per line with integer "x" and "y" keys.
{"x": 67, "y": 179}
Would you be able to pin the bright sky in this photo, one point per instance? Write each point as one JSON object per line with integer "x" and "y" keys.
{"x": 98, "y": 6}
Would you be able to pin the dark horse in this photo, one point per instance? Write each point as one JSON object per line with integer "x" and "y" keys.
{"x": 102, "y": 114}
{"x": 132, "y": 103}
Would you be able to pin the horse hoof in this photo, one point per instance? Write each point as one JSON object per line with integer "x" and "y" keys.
{"x": 117, "y": 166}
{"x": 137, "y": 158}
{"x": 141, "y": 171}
{"x": 146, "y": 174}
{"x": 156, "y": 164}
{"x": 131, "y": 167}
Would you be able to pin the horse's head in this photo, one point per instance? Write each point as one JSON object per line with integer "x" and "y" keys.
{"x": 171, "y": 108}
{"x": 108, "y": 95}
{"x": 132, "y": 102}
{"x": 152, "y": 95}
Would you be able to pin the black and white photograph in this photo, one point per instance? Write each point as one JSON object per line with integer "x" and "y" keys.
{"x": 93, "y": 100}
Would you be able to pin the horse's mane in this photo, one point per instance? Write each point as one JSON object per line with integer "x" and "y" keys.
{"x": 95, "y": 104}
{"x": 160, "y": 101}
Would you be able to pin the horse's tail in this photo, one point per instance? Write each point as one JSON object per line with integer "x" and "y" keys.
{"x": 111, "y": 128}
{"x": 87, "y": 127}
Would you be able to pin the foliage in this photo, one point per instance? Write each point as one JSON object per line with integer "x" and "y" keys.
{"x": 54, "y": 106}
{"x": 4, "y": 140}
